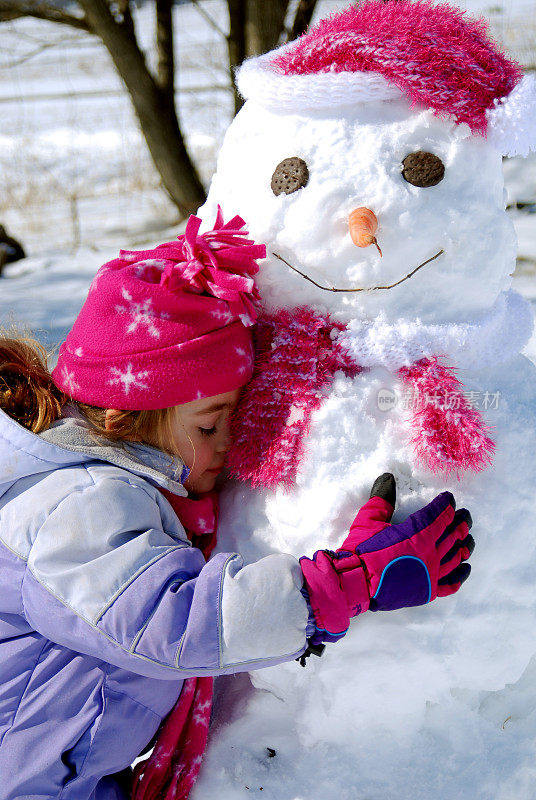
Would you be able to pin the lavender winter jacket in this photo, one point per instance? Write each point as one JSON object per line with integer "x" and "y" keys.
{"x": 105, "y": 608}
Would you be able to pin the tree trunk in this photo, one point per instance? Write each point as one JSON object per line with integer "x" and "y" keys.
{"x": 154, "y": 108}
{"x": 265, "y": 22}
{"x": 304, "y": 14}
{"x": 164, "y": 45}
{"x": 236, "y": 42}
{"x": 256, "y": 26}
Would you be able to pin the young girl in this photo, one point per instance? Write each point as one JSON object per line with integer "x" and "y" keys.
{"x": 112, "y": 615}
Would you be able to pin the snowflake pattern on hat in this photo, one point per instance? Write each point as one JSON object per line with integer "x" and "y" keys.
{"x": 141, "y": 314}
{"x": 96, "y": 280}
{"x": 68, "y": 379}
{"x": 129, "y": 378}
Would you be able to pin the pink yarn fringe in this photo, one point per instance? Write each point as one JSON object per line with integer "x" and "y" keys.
{"x": 220, "y": 262}
{"x": 435, "y": 54}
{"x": 447, "y": 434}
{"x": 295, "y": 365}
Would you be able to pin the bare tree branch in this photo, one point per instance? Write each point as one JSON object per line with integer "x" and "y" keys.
{"x": 208, "y": 18}
{"x": 303, "y": 17}
{"x": 35, "y": 52}
{"x": 13, "y": 9}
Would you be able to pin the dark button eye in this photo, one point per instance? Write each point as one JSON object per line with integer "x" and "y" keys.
{"x": 289, "y": 176}
{"x": 423, "y": 169}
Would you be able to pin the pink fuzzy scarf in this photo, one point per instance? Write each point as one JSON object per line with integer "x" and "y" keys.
{"x": 295, "y": 366}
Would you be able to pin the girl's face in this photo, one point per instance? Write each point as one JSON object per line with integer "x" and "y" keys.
{"x": 201, "y": 437}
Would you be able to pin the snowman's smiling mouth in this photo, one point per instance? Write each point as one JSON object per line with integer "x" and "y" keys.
{"x": 363, "y": 288}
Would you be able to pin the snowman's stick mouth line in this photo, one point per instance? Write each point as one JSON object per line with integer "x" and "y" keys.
{"x": 363, "y": 289}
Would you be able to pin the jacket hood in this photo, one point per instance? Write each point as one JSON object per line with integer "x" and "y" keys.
{"x": 68, "y": 442}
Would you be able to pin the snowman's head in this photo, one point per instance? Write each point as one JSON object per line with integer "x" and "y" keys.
{"x": 318, "y": 152}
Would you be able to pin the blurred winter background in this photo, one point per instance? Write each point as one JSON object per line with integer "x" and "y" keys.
{"x": 76, "y": 178}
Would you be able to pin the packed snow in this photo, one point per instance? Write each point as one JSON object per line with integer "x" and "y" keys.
{"x": 436, "y": 701}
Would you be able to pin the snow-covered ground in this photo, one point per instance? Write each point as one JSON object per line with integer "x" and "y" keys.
{"x": 74, "y": 171}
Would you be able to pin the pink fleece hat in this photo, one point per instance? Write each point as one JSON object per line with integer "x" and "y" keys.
{"x": 166, "y": 326}
{"x": 434, "y": 55}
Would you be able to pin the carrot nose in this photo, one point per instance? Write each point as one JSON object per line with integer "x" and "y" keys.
{"x": 363, "y": 224}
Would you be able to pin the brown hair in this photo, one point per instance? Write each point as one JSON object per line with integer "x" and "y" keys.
{"x": 27, "y": 393}
{"x": 153, "y": 427}
{"x": 29, "y": 396}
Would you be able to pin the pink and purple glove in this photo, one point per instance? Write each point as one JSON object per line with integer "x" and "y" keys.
{"x": 382, "y": 567}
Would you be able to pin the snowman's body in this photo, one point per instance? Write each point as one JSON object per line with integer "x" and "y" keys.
{"x": 400, "y": 707}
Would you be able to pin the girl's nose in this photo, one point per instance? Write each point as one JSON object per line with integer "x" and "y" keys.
{"x": 363, "y": 224}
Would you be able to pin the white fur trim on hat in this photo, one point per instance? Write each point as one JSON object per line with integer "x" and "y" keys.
{"x": 512, "y": 121}
{"x": 257, "y": 80}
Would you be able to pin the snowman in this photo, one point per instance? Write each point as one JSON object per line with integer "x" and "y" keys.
{"x": 368, "y": 159}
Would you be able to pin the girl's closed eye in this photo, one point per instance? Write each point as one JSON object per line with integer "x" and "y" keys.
{"x": 208, "y": 431}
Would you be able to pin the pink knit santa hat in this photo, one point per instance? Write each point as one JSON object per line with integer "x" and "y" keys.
{"x": 166, "y": 326}
{"x": 435, "y": 55}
